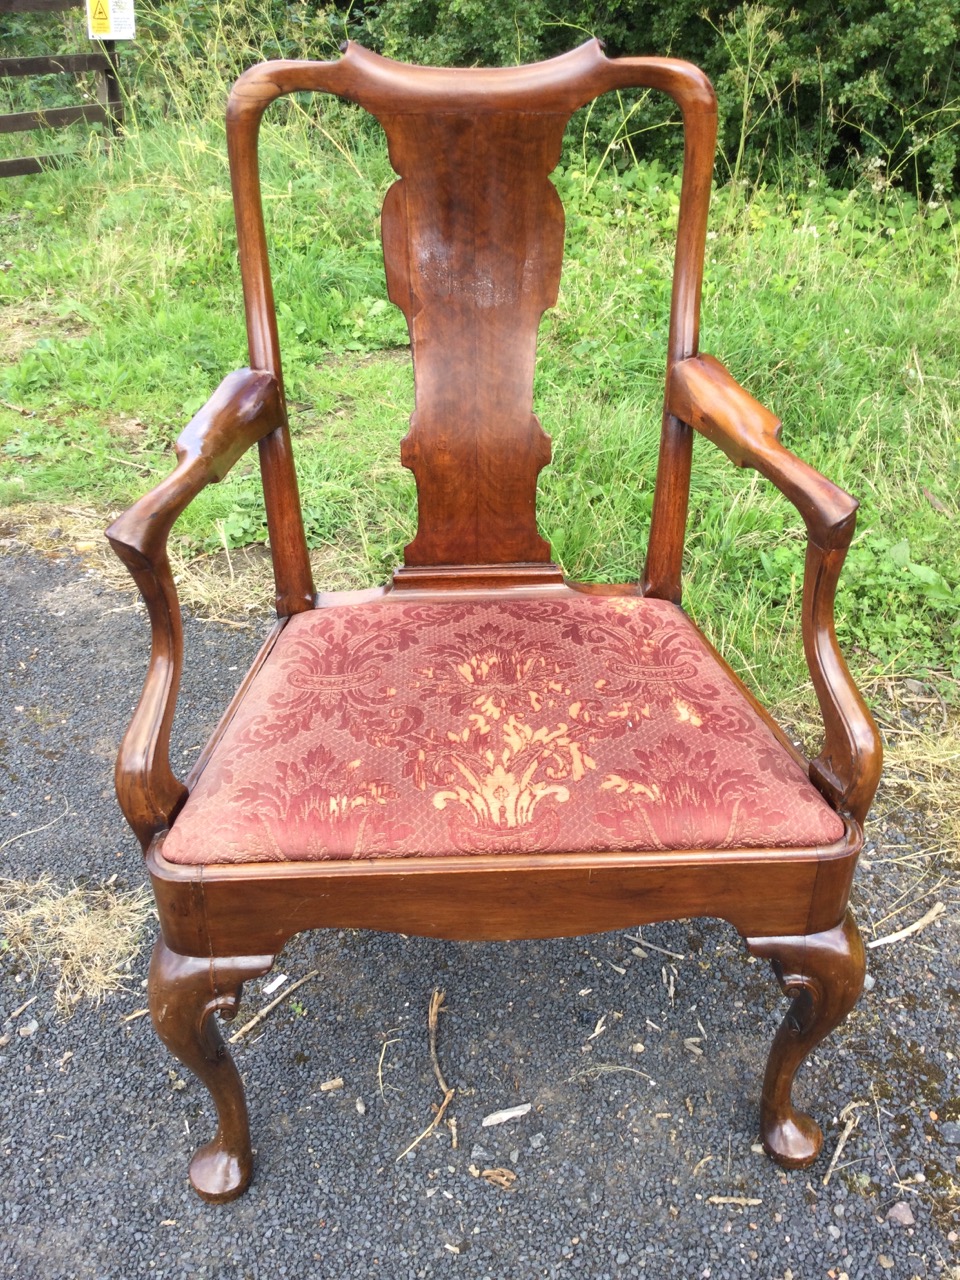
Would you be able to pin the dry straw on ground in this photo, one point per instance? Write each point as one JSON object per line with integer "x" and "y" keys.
{"x": 921, "y": 773}
{"x": 221, "y": 586}
{"x": 87, "y": 937}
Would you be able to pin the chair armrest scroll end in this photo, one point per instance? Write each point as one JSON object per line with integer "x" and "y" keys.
{"x": 701, "y": 392}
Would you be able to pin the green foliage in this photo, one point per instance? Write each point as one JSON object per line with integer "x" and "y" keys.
{"x": 838, "y": 307}
{"x": 896, "y": 605}
{"x": 868, "y": 87}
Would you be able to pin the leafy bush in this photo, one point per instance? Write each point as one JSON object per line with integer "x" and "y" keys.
{"x": 868, "y": 87}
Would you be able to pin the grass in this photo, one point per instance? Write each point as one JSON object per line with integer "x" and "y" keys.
{"x": 88, "y": 937}
{"x": 839, "y": 310}
{"x": 921, "y": 779}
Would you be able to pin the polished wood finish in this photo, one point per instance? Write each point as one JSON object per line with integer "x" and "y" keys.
{"x": 471, "y": 509}
{"x": 472, "y": 236}
{"x": 459, "y": 264}
{"x": 702, "y": 392}
{"x": 823, "y": 974}
{"x": 244, "y": 408}
{"x": 185, "y": 992}
{"x": 501, "y": 896}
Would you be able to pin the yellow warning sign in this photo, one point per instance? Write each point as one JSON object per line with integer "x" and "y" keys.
{"x": 99, "y": 19}
{"x": 110, "y": 20}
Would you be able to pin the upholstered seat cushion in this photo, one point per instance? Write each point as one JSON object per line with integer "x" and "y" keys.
{"x": 400, "y": 728}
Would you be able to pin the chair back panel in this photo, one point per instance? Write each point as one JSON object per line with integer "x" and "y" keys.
{"x": 473, "y": 245}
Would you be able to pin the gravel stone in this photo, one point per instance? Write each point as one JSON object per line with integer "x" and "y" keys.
{"x": 901, "y": 1214}
{"x": 94, "y": 1141}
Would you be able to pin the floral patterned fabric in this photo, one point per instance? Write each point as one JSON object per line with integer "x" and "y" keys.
{"x": 401, "y": 728}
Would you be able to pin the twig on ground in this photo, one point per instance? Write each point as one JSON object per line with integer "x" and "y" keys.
{"x": 605, "y": 1068}
{"x": 743, "y": 1201}
{"x": 268, "y": 1008}
{"x": 36, "y": 830}
{"x": 674, "y": 955}
{"x": 898, "y": 910}
{"x": 433, "y": 1013}
{"x": 383, "y": 1050}
{"x": 132, "y": 1017}
{"x": 430, "y": 1127}
{"x": 851, "y": 1119}
{"x": 112, "y": 457}
{"x": 883, "y": 1141}
{"x": 934, "y": 913}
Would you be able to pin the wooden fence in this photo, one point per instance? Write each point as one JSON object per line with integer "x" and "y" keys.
{"x": 108, "y": 109}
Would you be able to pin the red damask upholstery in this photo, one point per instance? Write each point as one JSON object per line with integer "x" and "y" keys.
{"x": 398, "y": 728}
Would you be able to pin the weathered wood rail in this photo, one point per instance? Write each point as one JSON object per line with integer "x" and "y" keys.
{"x": 108, "y": 109}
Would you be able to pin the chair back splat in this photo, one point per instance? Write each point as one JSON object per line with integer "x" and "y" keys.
{"x": 480, "y": 750}
{"x": 473, "y": 246}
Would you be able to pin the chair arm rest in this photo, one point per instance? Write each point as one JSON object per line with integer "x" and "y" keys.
{"x": 702, "y": 393}
{"x": 244, "y": 408}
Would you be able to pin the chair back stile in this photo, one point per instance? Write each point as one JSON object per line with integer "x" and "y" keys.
{"x": 473, "y": 242}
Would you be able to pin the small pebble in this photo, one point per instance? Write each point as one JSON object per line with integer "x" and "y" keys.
{"x": 901, "y": 1214}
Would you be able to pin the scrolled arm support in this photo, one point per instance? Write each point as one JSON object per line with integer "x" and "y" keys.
{"x": 245, "y": 407}
{"x": 702, "y": 393}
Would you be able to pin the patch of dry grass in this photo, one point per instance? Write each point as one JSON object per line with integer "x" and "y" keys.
{"x": 87, "y": 937}
{"x": 921, "y": 771}
{"x": 223, "y": 585}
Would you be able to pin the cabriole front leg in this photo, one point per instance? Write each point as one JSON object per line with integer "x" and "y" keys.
{"x": 185, "y": 992}
{"x": 823, "y": 972}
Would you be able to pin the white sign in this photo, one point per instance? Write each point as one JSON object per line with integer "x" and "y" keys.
{"x": 110, "y": 20}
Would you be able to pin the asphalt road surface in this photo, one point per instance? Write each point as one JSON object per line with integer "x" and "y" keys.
{"x": 629, "y": 1163}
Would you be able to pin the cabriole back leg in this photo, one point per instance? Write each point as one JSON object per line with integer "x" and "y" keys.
{"x": 185, "y": 991}
{"x": 823, "y": 972}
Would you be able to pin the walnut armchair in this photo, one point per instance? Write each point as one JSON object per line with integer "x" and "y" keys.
{"x": 481, "y": 749}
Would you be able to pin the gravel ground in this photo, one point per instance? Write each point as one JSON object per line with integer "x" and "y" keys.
{"x": 629, "y": 1164}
